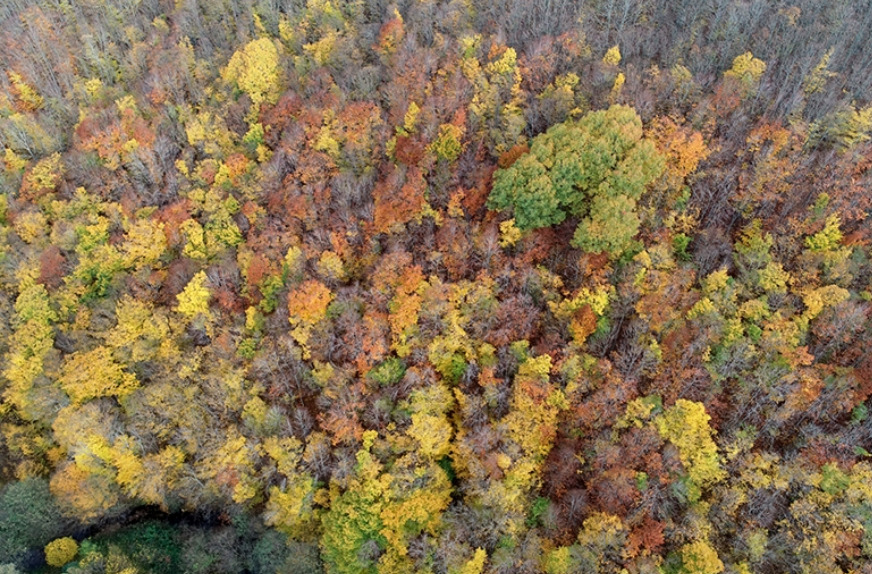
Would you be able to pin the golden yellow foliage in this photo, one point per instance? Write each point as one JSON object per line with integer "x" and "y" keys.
{"x": 430, "y": 425}
{"x": 44, "y": 176}
{"x": 61, "y": 551}
{"x": 14, "y": 162}
{"x": 686, "y": 425}
{"x": 746, "y": 69}
{"x": 30, "y": 226}
{"x": 194, "y": 299}
{"x": 83, "y": 495}
{"x": 330, "y": 266}
{"x": 618, "y": 85}
{"x": 139, "y": 331}
{"x": 612, "y": 56}
{"x": 145, "y": 243}
{"x": 307, "y": 304}
{"x": 474, "y": 565}
{"x": 700, "y": 558}
{"x": 448, "y": 143}
{"x": 94, "y": 374}
{"x": 255, "y": 69}
{"x": 509, "y": 233}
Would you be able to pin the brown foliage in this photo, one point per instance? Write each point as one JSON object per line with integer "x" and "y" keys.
{"x": 409, "y": 150}
{"x": 398, "y": 199}
{"x": 510, "y": 156}
{"x": 646, "y": 537}
{"x": 52, "y": 267}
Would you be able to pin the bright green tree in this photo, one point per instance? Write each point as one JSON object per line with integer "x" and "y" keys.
{"x": 594, "y": 169}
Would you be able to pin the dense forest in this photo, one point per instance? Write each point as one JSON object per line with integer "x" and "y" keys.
{"x": 435, "y": 286}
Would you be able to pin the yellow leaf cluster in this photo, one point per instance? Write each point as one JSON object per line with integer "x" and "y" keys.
{"x": 94, "y": 374}
{"x": 14, "y": 162}
{"x": 30, "y": 226}
{"x": 816, "y": 300}
{"x": 139, "y": 331}
{"x": 194, "y": 299}
{"x": 747, "y": 69}
{"x": 686, "y": 425}
{"x": 331, "y": 267}
{"x": 474, "y": 565}
{"x": 612, "y": 56}
{"x": 700, "y": 558}
{"x": 598, "y": 298}
{"x": 509, "y": 233}
{"x": 29, "y": 97}
{"x": 255, "y": 69}
{"x": 144, "y": 244}
{"x": 61, "y": 551}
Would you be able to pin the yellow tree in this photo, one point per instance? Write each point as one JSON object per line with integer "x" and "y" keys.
{"x": 255, "y": 69}
{"x": 139, "y": 332}
{"x": 291, "y": 507}
{"x": 94, "y": 374}
{"x": 194, "y": 299}
{"x": 686, "y": 425}
{"x": 29, "y": 345}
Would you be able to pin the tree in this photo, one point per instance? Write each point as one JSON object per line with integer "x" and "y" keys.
{"x": 29, "y": 346}
{"x": 194, "y": 299}
{"x": 94, "y": 374}
{"x": 29, "y": 517}
{"x": 83, "y": 495}
{"x": 254, "y": 69}
{"x": 307, "y": 305}
{"x": 353, "y": 523}
{"x": 61, "y": 551}
{"x": 594, "y": 169}
{"x": 700, "y": 558}
{"x": 685, "y": 425}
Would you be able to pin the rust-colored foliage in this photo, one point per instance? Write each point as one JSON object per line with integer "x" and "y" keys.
{"x": 172, "y": 217}
{"x": 409, "y": 150}
{"x": 399, "y": 199}
{"x": 390, "y": 36}
{"x": 510, "y": 156}
{"x": 52, "y": 267}
{"x": 647, "y": 537}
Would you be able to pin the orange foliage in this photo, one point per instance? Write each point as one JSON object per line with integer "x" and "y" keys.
{"x": 583, "y": 324}
{"x": 374, "y": 346}
{"x": 390, "y": 36}
{"x": 646, "y": 537}
{"x": 280, "y": 116}
{"x": 237, "y": 164}
{"x": 510, "y": 156}
{"x": 172, "y": 217}
{"x": 682, "y": 147}
{"x": 308, "y": 302}
{"x": 394, "y": 208}
{"x": 342, "y": 420}
{"x": 258, "y": 269}
{"x": 51, "y": 267}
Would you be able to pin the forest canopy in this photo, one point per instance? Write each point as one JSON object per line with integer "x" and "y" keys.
{"x": 435, "y": 287}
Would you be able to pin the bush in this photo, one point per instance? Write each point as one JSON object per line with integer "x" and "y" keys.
{"x": 61, "y": 551}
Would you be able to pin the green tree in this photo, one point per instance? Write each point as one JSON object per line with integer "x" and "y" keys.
{"x": 354, "y": 520}
{"x": 29, "y": 517}
{"x": 594, "y": 169}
